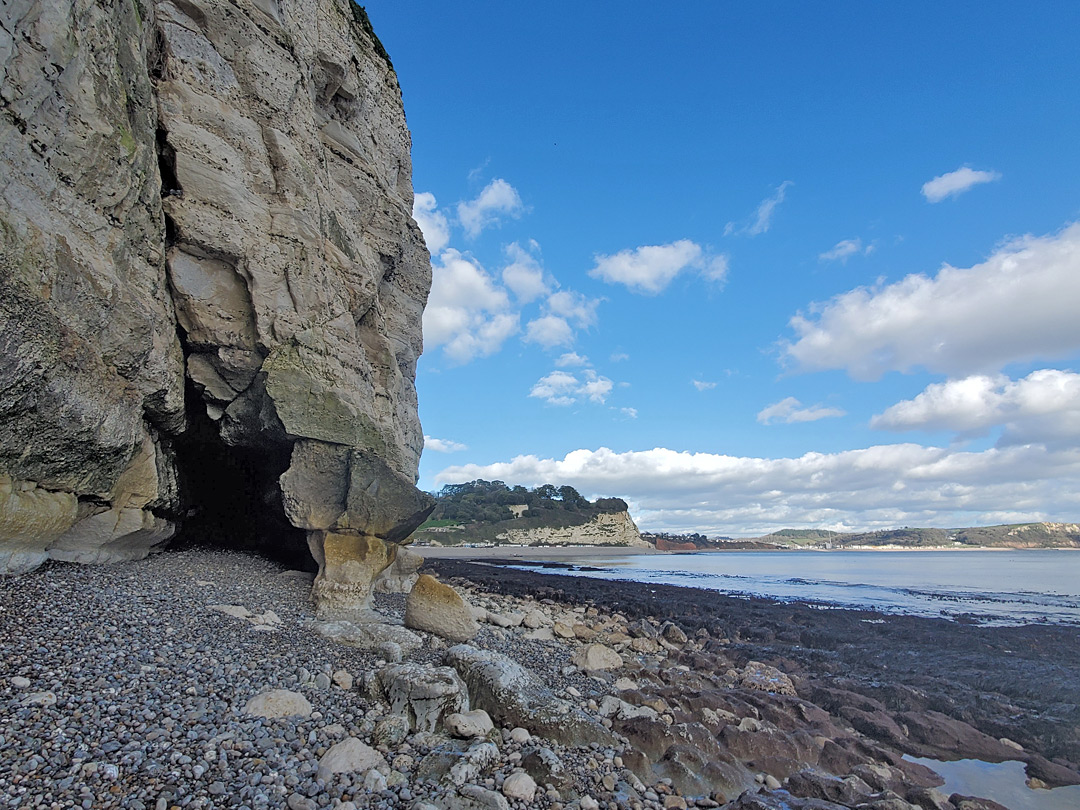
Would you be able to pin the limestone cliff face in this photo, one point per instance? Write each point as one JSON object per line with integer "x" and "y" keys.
{"x": 606, "y": 529}
{"x": 208, "y": 273}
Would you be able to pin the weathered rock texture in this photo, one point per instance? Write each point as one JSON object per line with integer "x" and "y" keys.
{"x": 209, "y": 276}
{"x": 606, "y": 529}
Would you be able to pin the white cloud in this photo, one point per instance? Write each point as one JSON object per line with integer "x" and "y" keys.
{"x": 761, "y": 221}
{"x": 498, "y": 199}
{"x": 844, "y": 250}
{"x": 467, "y": 313}
{"x": 1018, "y": 305}
{"x": 1042, "y": 407}
{"x": 954, "y": 183}
{"x": 629, "y": 413}
{"x": 564, "y": 388}
{"x": 596, "y": 388}
{"x": 571, "y": 359}
{"x": 701, "y": 385}
{"x": 619, "y": 357}
{"x": 790, "y": 410}
{"x": 432, "y": 222}
{"x": 564, "y": 311}
{"x": 715, "y": 269}
{"x": 575, "y": 307}
{"x": 877, "y": 487}
{"x": 524, "y": 275}
{"x": 557, "y": 388}
{"x": 650, "y": 268}
{"x": 442, "y": 445}
{"x": 549, "y": 331}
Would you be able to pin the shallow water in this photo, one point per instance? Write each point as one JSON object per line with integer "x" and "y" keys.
{"x": 1002, "y": 587}
{"x": 1004, "y": 782}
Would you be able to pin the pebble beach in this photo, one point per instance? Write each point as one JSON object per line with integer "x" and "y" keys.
{"x": 135, "y": 685}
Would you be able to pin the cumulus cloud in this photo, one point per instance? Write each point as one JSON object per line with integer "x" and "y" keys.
{"x": 761, "y": 221}
{"x": 565, "y": 388}
{"x": 564, "y": 312}
{"x": 844, "y": 250}
{"x": 524, "y": 276}
{"x": 877, "y": 487}
{"x": 1042, "y": 407}
{"x": 467, "y": 313}
{"x": 442, "y": 445}
{"x": 619, "y": 357}
{"x": 498, "y": 199}
{"x": 571, "y": 359}
{"x": 954, "y": 183}
{"x": 789, "y": 411}
{"x": 629, "y": 413}
{"x": 575, "y": 307}
{"x": 1018, "y": 305}
{"x": 649, "y": 269}
{"x": 549, "y": 331}
{"x": 432, "y": 222}
{"x": 702, "y": 385}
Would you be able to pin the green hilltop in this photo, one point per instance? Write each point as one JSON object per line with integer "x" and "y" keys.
{"x": 479, "y": 511}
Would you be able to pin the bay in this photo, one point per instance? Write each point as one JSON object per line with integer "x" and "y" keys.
{"x": 991, "y": 586}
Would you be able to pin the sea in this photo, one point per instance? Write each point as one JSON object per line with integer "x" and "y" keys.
{"x": 1033, "y": 586}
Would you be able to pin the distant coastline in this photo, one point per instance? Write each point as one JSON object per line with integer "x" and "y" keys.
{"x": 561, "y": 553}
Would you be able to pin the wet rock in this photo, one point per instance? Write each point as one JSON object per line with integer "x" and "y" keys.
{"x": 766, "y": 679}
{"x": 974, "y": 803}
{"x": 814, "y": 784}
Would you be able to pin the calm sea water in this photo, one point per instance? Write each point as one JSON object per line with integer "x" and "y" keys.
{"x": 1004, "y": 782}
{"x": 1004, "y": 587}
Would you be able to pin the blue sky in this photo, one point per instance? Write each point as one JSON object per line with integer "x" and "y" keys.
{"x": 752, "y": 266}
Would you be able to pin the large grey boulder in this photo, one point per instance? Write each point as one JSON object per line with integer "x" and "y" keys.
{"x": 514, "y": 696}
{"x": 423, "y": 695}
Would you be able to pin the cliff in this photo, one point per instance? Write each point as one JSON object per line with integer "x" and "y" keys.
{"x": 608, "y": 529}
{"x": 210, "y": 281}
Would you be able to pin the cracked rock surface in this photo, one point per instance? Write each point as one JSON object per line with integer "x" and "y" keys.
{"x": 209, "y": 278}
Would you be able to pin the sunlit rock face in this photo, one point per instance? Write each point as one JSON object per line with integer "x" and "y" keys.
{"x": 209, "y": 280}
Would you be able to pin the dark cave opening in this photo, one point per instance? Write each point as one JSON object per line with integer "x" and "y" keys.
{"x": 230, "y": 496}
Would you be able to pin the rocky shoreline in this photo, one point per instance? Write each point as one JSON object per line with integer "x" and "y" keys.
{"x": 193, "y": 679}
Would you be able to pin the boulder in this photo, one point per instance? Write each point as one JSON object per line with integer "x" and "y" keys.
{"x": 423, "y": 695}
{"x": 437, "y": 608}
{"x": 390, "y": 640}
{"x": 351, "y": 756}
{"x": 513, "y": 696}
{"x": 476, "y": 723}
{"x": 519, "y": 786}
{"x": 278, "y": 703}
{"x": 596, "y": 657}
{"x": 766, "y": 679}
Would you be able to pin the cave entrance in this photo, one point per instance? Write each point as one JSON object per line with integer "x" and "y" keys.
{"x": 230, "y": 497}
